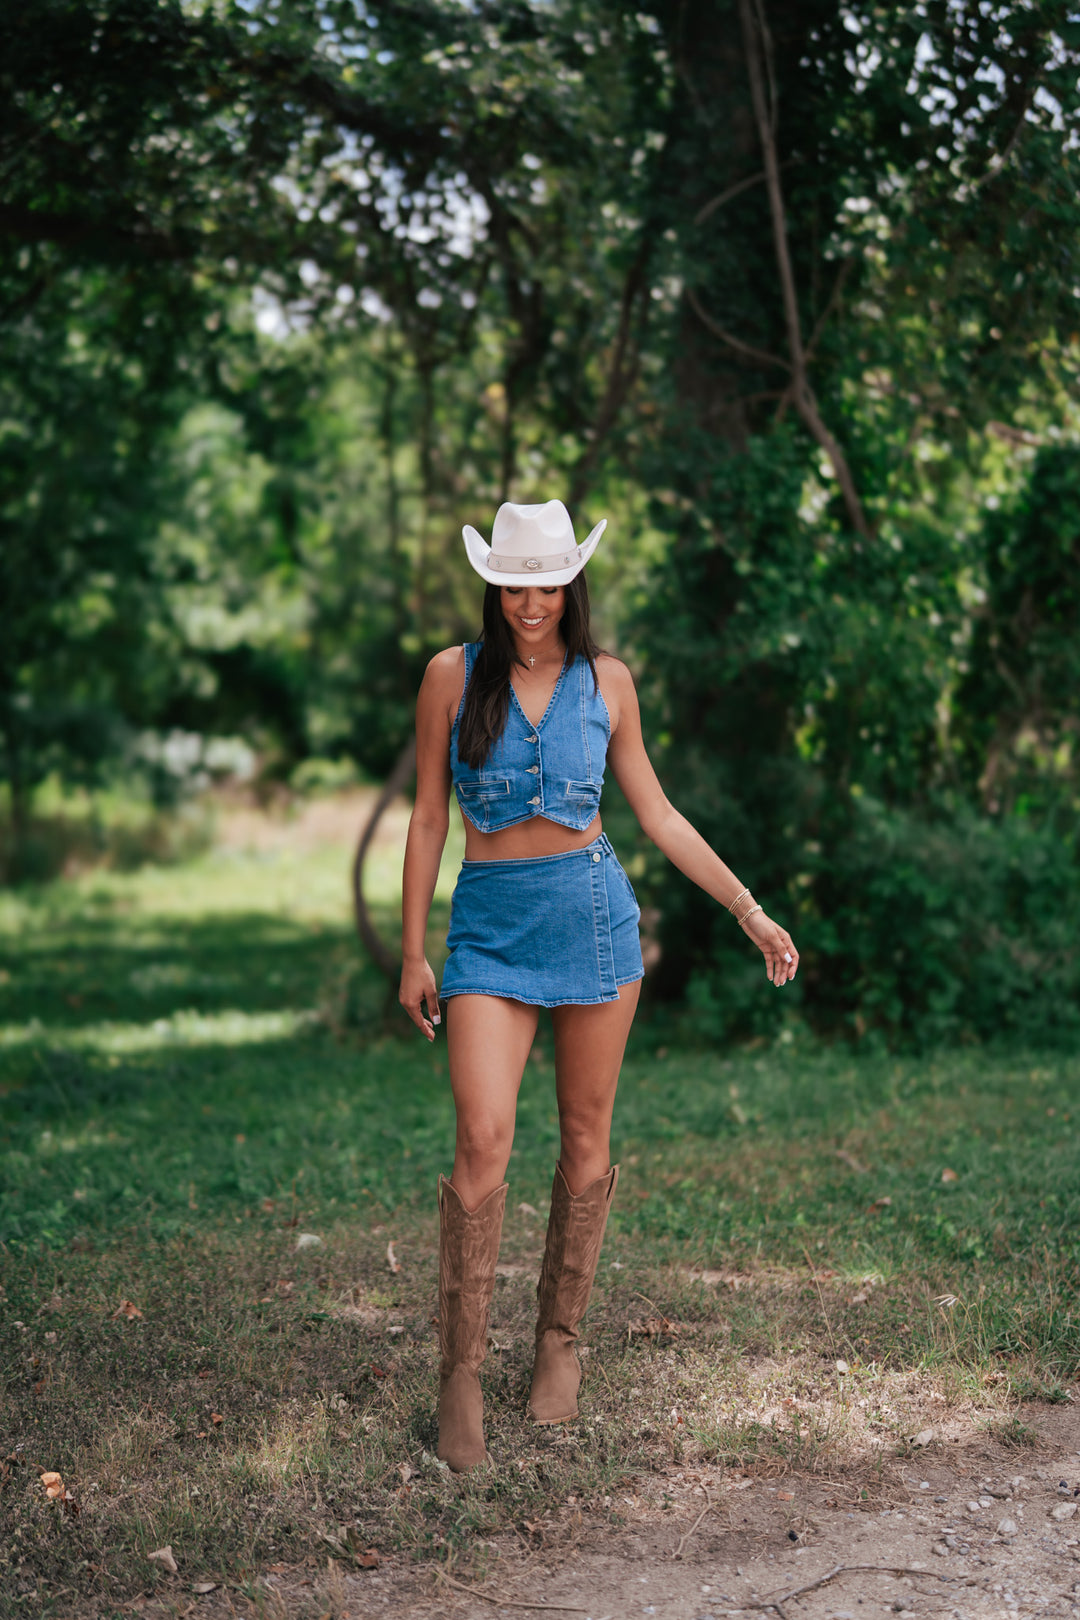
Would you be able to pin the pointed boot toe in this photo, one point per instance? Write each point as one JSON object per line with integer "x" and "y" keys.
{"x": 556, "y": 1381}
{"x": 461, "y": 1421}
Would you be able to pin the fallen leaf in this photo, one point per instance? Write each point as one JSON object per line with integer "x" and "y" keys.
{"x": 369, "y": 1559}
{"x": 842, "y": 1367}
{"x": 204, "y": 1374}
{"x": 949, "y": 1175}
{"x": 164, "y": 1555}
{"x": 879, "y": 1203}
{"x": 527, "y": 1209}
{"x": 392, "y": 1259}
{"x": 309, "y": 1240}
{"x": 216, "y": 1418}
{"x": 127, "y": 1308}
{"x": 202, "y": 1587}
{"x": 785, "y": 1496}
{"x": 54, "y": 1485}
{"x": 284, "y": 1287}
{"x": 653, "y": 1327}
{"x": 406, "y": 1470}
{"x": 721, "y": 1279}
{"x": 860, "y": 1298}
{"x": 200, "y": 1434}
{"x": 923, "y": 1438}
{"x": 852, "y": 1162}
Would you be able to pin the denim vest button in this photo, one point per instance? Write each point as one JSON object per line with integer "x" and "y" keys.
{"x": 534, "y": 801}
{"x": 533, "y": 770}
{"x": 532, "y": 739}
{"x": 596, "y": 857}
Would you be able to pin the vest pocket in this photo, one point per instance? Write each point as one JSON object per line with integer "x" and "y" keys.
{"x": 585, "y": 796}
{"x": 485, "y": 792}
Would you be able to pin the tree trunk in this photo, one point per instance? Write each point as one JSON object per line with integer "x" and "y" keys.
{"x": 381, "y": 954}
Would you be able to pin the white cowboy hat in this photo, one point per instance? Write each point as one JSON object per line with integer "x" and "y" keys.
{"x": 530, "y": 545}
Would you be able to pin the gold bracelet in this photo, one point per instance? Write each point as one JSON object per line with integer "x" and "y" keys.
{"x": 748, "y": 907}
{"x": 748, "y": 914}
{"x": 736, "y": 900}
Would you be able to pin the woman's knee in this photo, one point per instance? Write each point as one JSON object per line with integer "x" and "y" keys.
{"x": 584, "y": 1130}
{"x": 483, "y": 1143}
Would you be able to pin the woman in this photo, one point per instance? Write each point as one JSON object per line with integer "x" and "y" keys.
{"x": 522, "y": 723}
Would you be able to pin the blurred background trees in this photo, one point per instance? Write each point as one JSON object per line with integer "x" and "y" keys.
{"x": 289, "y": 291}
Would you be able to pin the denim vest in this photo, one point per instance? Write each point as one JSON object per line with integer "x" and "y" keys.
{"x": 554, "y": 769}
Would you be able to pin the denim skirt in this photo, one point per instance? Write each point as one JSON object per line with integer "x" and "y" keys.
{"x": 553, "y": 930}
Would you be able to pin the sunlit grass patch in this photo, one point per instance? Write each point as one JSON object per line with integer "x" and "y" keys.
{"x": 184, "y": 1028}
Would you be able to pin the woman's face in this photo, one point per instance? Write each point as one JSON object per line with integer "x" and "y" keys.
{"x": 533, "y": 612}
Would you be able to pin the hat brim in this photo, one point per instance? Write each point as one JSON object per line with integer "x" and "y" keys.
{"x": 478, "y": 552}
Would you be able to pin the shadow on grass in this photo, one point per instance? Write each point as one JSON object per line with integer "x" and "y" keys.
{"x": 96, "y": 968}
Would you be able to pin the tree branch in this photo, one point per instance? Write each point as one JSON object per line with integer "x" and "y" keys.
{"x": 396, "y": 782}
{"x": 801, "y": 394}
{"x": 733, "y": 191}
{"x": 762, "y": 356}
{"x": 620, "y": 376}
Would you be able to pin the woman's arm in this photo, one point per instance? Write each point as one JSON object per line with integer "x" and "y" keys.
{"x": 428, "y": 826}
{"x": 672, "y": 833}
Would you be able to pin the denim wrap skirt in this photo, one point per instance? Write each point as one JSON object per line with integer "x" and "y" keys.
{"x": 551, "y": 930}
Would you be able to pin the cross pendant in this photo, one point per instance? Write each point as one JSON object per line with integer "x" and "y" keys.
{"x": 532, "y": 661}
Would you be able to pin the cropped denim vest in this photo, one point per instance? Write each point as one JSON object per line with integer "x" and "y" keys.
{"x": 554, "y": 769}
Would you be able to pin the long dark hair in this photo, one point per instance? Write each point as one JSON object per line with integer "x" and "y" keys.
{"x": 487, "y": 696}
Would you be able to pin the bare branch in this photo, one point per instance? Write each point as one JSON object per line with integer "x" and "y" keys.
{"x": 801, "y": 394}
{"x": 726, "y": 196}
{"x": 730, "y": 192}
{"x": 762, "y": 356}
{"x": 621, "y": 375}
{"x": 380, "y": 953}
{"x": 831, "y": 303}
{"x": 807, "y": 407}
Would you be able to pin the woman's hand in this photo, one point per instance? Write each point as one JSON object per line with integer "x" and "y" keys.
{"x": 775, "y": 945}
{"x": 418, "y": 986}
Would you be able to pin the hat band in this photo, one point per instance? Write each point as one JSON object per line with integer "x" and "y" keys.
{"x": 531, "y": 565}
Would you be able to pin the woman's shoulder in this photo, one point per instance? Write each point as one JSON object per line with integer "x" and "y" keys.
{"x": 446, "y": 670}
{"x": 451, "y": 661}
{"x": 613, "y": 671}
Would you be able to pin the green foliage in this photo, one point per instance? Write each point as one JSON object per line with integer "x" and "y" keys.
{"x": 287, "y": 293}
{"x": 1019, "y": 704}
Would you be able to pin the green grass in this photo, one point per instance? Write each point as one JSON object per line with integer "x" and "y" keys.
{"x": 196, "y": 1068}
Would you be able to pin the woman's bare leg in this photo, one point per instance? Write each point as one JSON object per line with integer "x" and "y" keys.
{"x": 589, "y": 1046}
{"x": 488, "y": 1040}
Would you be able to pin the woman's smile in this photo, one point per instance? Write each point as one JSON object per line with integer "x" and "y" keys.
{"x": 534, "y": 611}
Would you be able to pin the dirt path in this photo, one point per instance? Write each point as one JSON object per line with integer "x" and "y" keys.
{"x": 976, "y": 1530}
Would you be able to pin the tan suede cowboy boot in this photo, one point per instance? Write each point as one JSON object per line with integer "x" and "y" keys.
{"x": 468, "y": 1249}
{"x": 575, "y": 1233}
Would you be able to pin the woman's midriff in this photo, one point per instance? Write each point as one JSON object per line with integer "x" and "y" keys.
{"x": 526, "y": 839}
